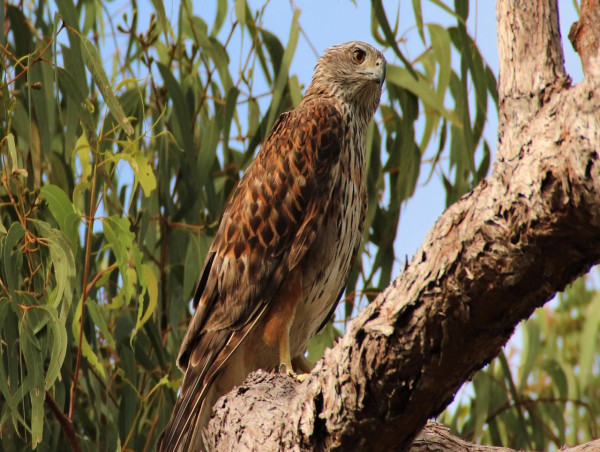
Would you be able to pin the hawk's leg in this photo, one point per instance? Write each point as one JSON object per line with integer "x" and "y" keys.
{"x": 285, "y": 360}
{"x": 281, "y": 317}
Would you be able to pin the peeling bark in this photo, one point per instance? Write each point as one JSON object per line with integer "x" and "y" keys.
{"x": 491, "y": 259}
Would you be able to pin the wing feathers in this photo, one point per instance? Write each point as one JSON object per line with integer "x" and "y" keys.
{"x": 199, "y": 313}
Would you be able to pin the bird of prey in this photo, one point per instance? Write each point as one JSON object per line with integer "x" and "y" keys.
{"x": 286, "y": 243}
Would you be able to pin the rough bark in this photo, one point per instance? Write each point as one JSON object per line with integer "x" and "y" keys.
{"x": 491, "y": 259}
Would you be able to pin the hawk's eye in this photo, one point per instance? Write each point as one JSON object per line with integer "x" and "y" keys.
{"x": 359, "y": 55}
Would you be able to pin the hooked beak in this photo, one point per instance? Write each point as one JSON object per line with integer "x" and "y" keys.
{"x": 382, "y": 78}
{"x": 379, "y": 71}
{"x": 376, "y": 73}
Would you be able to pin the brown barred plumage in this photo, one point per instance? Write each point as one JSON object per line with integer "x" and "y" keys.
{"x": 286, "y": 242}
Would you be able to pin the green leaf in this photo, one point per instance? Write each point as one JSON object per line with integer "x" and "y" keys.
{"x": 120, "y": 238}
{"x": 590, "y": 338}
{"x": 12, "y": 152}
{"x": 208, "y": 153}
{"x": 92, "y": 60}
{"x": 531, "y": 351}
{"x": 229, "y": 111}
{"x": 142, "y": 170}
{"x": 484, "y": 165}
{"x": 381, "y": 16}
{"x": 441, "y": 43}
{"x": 220, "y": 17}
{"x": 554, "y": 369}
{"x": 492, "y": 84}
{"x": 282, "y": 76}
{"x": 86, "y": 349}
{"x": 555, "y": 411}
{"x": 275, "y": 50}
{"x": 151, "y": 285}
{"x": 521, "y": 425}
{"x": 419, "y": 86}
{"x": 240, "y": 11}
{"x": 33, "y": 357}
{"x": 62, "y": 259}
{"x": 58, "y": 344}
{"x": 63, "y": 210}
{"x": 446, "y": 8}
{"x": 192, "y": 267}
{"x": 77, "y": 102}
{"x": 73, "y": 59}
{"x": 84, "y": 154}
{"x": 482, "y": 403}
{"x": 44, "y": 103}
{"x": 8, "y": 329}
{"x": 295, "y": 90}
{"x": 418, "y": 12}
{"x": 462, "y": 8}
{"x": 180, "y": 107}
{"x": 98, "y": 319}
{"x": 12, "y": 257}
{"x": 320, "y": 341}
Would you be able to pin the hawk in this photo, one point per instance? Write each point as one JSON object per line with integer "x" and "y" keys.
{"x": 286, "y": 243}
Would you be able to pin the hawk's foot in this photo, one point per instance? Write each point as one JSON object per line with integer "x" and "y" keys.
{"x": 302, "y": 377}
{"x": 284, "y": 368}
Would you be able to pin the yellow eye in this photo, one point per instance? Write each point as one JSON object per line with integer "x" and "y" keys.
{"x": 359, "y": 55}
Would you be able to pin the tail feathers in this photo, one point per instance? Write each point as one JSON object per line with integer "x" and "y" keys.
{"x": 188, "y": 438}
{"x": 195, "y": 440}
{"x": 208, "y": 361}
{"x": 190, "y": 406}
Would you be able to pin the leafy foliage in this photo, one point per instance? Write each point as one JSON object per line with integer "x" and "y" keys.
{"x": 112, "y": 184}
{"x": 549, "y": 397}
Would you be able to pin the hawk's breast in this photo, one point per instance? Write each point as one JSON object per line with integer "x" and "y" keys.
{"x": 327, "y": 265}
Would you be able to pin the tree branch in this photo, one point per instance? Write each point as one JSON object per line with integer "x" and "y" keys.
{"x": 531, "y": 65}
{"x": 491, "y": 259}
{"x": 65, "y": 423}
{"x": 436, "y": 437}
{"x": 529, "y": 47}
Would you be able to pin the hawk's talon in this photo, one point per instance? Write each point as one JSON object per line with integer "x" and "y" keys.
{"x": 302, "y": 377}
{"x": 285, "y": 369}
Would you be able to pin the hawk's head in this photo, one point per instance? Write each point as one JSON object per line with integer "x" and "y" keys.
{"x": 352, "y": 72}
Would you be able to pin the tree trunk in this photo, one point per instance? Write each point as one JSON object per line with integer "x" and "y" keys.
{"x": 491, "y": 259}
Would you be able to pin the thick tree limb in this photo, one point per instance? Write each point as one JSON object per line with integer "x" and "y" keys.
{"x": 531, "y": 66}
{"x": 490, "y": 260}
{"x": 529, "y": 47}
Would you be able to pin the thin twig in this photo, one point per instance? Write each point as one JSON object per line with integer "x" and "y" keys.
{"x": 34, "y": 62}
{"x": 65, "y": 423}
{"x": 108, "y": 269}
{"x": 86, "y": 270}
